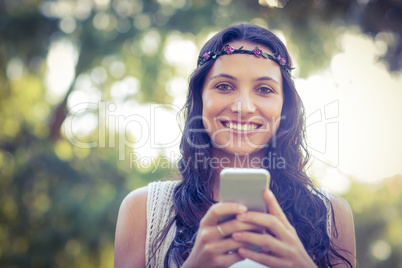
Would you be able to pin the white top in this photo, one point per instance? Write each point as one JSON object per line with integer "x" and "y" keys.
{"x": 160, "y": 212}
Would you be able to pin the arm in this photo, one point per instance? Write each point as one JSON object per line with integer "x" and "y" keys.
{"x": 345, "y": 228}
{"x": 131, "y": 230}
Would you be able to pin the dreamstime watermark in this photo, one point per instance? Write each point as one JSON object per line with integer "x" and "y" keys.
{"x": 110, "y": 123}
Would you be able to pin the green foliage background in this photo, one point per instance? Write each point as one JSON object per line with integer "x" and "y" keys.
{"x": 58, "y": 202}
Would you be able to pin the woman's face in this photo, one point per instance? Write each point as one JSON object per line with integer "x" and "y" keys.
{"x": 242, "y": 102}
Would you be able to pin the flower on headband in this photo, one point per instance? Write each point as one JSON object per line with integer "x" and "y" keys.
{"x": 229, "y": 49}
{"x": 206, "y": 55}
{"x": 282, "y": 60}
{"x": 257, "y": 51}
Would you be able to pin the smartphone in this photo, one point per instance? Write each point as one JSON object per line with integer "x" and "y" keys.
{"x": 245, "y": 186}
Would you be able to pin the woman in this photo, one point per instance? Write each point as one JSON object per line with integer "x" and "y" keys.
{"x": 242, "y": 108}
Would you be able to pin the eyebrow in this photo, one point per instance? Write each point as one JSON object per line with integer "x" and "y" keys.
{"x": 223, "y": 75}
{"x": 263, "y": 78}
{"x": 267, "y": 78}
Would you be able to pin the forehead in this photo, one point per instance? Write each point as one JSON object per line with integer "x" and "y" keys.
{"x": 246, "y": 65}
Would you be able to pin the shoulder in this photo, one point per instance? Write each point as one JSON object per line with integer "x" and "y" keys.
{"x": 342, "y": 213}
{"x": 131, "y": 230}
{"x": 134, "y": 203}
{"x": 340, "y": 206}
{"x": 137, "y": 199}
{"x": 343, "y": 232}
{"x": 137, "y": 195}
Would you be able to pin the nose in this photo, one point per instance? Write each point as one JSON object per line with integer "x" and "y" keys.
{"x": 243, "y": 104}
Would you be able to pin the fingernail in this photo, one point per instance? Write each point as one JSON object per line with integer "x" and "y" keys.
{"x": 237, "y": 235}
{"x": 242, "y": 251}
{"x": 270, "y": 193}
{"x": 241, "y": 216}
{"x": 242, "y": 208}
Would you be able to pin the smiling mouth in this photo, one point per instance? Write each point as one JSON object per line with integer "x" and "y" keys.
{"x": 242, "y": 127}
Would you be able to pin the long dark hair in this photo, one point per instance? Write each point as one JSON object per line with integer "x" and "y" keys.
{"x": 193, "y": 196}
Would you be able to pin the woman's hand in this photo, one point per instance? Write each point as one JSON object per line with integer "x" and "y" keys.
{"x": 281, "y": 244}
{"x": 214, "y": 242}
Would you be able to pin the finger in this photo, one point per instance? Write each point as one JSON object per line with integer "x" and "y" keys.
{"x": 275, "y": 209}
{"x": 265, "y": 241}
{"x": 225, "y": 246}
{"x": 265, "y": 259}
{"x": 216, "y": 211}
{"x": 209, "y": 234}
{"x": 232, "y": 226}
{"x": 228, "y": 259}
{"x": 267, "y": 221}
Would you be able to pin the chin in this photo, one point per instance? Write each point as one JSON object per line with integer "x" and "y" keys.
{"x": 243, "y": 151}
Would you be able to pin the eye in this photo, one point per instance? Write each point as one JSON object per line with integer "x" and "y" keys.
{"x": 264, "y": 90}
{"x": 224, "y": 87}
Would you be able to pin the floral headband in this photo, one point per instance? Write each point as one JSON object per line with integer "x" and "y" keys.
{"x": 256, "y": 51}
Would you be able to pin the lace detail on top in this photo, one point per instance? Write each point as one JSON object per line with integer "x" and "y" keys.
{"x": 159, "y": 213}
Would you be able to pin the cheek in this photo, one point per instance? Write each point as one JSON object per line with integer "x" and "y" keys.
{"x": 206, "y": 106}
{"x": 273, "y": 114}
{"x": 212, "y": 105}
{"x": 208, "y": 111}
{"x": 271, "y": 108}
{"x": 279, "y": 117}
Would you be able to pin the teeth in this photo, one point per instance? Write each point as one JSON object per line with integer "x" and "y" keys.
{"x": 241, "y": 127}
